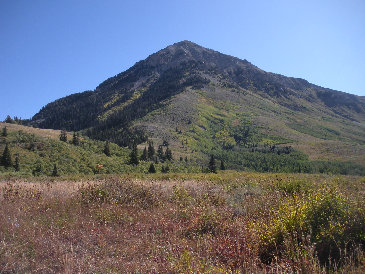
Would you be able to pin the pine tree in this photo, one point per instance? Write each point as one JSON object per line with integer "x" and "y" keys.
{"x": 9, "y": 120}
{"x": 75, "y": 139}
{"x": 55, "y": 171}
{"x": 160, "y": 153}
{"x": 107, "y": 149}
{"x": 134, "y": 156}
{"x": 212, "y": 166}
{"x": 63, "y": 136}
{"x": 17, "y": 120}
{"x": 4, "y": 132}
{"x": 168, "y": 154}
{"x": 38, "y": 170}
{"x": 144, "y": 155}
{"x": 222, "y": 167}
{"x": 17, "y": 162}
{"x": 6, "y": 158}
{"x": 152, "y": 169}
{"x": 165, "y": 169}
{"x": 151, "y": 151}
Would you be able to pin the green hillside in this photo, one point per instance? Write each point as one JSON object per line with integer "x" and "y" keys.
{"x": 39, "y": 150}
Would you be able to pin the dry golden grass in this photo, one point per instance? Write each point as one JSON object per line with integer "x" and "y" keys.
{"x": 45, "y": 133}
{"x": 49, "y": 190}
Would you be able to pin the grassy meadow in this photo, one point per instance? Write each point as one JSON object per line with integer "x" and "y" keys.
{"x": 230, "y": 222}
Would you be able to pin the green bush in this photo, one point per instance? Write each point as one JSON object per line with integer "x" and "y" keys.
{"x": 291, "y": 186}
{"x": 330, "y": 222}
{"x": 182, "y": 197}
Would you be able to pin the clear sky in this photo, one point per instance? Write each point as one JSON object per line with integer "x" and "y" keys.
{"x": 50, "y": 49}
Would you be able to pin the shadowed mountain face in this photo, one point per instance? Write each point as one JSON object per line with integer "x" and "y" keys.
{"x": 185, "y": 92}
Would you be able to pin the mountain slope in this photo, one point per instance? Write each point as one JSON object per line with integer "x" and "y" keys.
{"x": 204, "y": 102}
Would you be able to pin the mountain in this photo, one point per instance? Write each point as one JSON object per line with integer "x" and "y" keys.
{"x": 204, "y": 102}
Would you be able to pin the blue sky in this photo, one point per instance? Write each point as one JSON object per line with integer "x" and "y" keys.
{"x": 50, "y": 49}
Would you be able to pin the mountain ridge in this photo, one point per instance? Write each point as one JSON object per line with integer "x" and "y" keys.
{"x": 161, "y": 61}
{"x": 201, "y": 85}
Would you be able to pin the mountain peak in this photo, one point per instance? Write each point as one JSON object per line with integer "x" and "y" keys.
{"x": 185, "y": 49}
{"x": 186, "y": 43}
{"x": 189, "y": 46}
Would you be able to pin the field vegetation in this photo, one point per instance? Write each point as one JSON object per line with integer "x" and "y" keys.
{"x": 211, "y": 223}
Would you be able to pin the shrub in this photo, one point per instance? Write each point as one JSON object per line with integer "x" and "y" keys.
{"x": 120, "y": 192}
{"x": 326, "y": 218}
{"x": 108, "y": 216}
{"x": 236, "y": 252}
{"x": 212, "y": 199}
{"x": 12, "y": 193}
{"x": 188, "y": 262}
{"x": 182, "y": 197}
{"x": 291, "y": 186}
{"x": 206, "y": 221}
